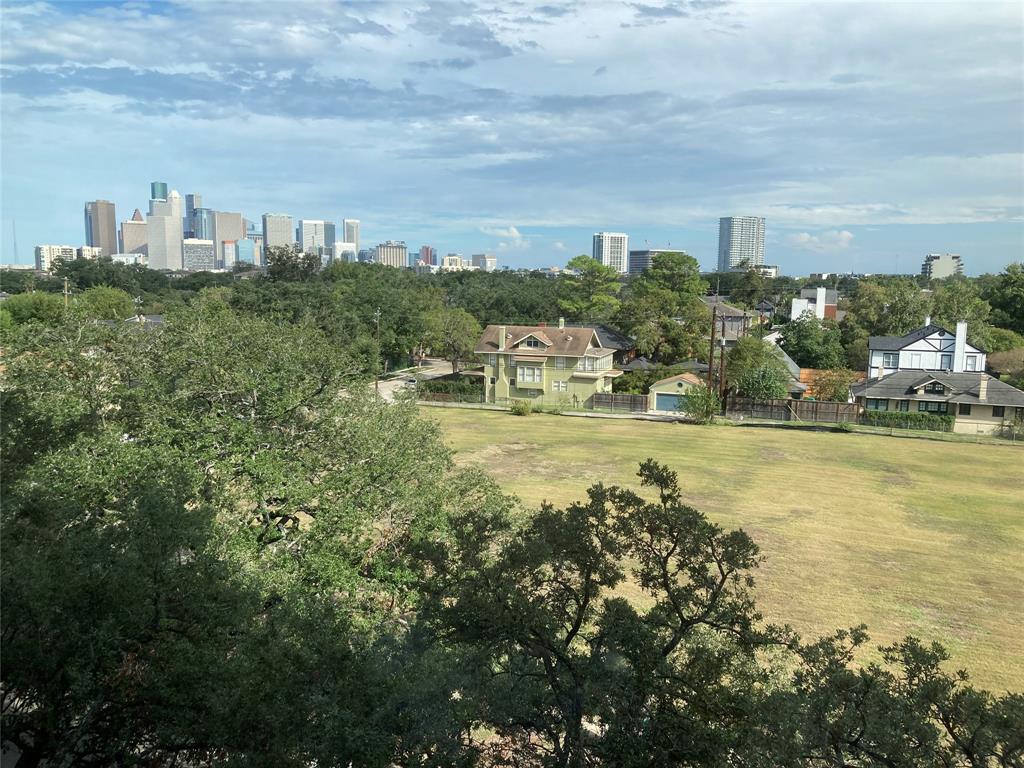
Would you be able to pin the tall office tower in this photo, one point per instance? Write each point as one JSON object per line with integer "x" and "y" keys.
{"x": 227, "y": 227}
{"x": 164, "y": 233}
{"x": 101, "y": 226}
{"x": 192, "y": 202}
{"x": 47, "y": 256}
{"x": 740, "y": 242}
{"x": 485, "y": 262}
{"x": 203, "y": 223}
{"x": 351, "y": 227}
{"x": 428, "y": 255}
{"x": 311, "y": 236}
{"x": 367, "y": 255}
{"x": 197, "y": 255}
{"x": 158, "y": 190}
{"x": 392, "y": 253}
{"x": 245, "y": 251}
{"x": 277, "y": 230}
{"x": 133, "y": 234}
{"x": 640, "y": 261}
{"x": 330, "y": 233}
{"x": 612, "y": 250}
{"x": 939, "y": 265}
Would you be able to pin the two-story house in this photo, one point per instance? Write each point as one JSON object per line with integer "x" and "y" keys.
{"x": 544, "y": 364}
{"x": 931, "y": 370}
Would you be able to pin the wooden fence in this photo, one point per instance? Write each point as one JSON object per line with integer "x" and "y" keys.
{"x": 619, "y": 401}
{"x": 792, "y": 410}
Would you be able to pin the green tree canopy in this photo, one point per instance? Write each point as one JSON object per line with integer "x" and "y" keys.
{"x": 105, "y": 303}
{"x": 592, "y": 296}
{"x": 452, "y": 332}
{"x": 812, "y": 343}
{"x": 35, "y": 307}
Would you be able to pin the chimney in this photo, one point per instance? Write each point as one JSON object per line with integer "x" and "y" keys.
{"x": 501, "y": 338}
{"x": 961, "y": 347}
{"x": 927, "y": 319}
{"x": 561, "y": 322}
{"x": 879, "y": 372}
{"x": 983, "y": 388}
{"x": 819, "y": 303}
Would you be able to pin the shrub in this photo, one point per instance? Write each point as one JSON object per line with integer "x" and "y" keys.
{"x": 940, "y": 422}
{"x": 843, "y": 426}
{"x": 521, "y": 408}
{"x": 833, "y": 385}
{"x": 455, "y": 384}
{"x": 702, "y": 403}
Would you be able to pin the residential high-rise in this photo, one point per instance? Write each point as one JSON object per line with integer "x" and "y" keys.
{"x": 939, "y": 265}
{"x": 197, "y": 255}
{"x": 277, "y": 230}
{"x": 485, "y": 262}
{"x": 133, "y": 234}
{"x": 612, "y": 250}
{"x": 740, "y": 242}
{"x": 158, "y": 190}
{"x": 428, "y": 255}
{"x": 47, "y": 256}
{"x": 101, "y": 226}
{"x": 453, "y": 262}
{"x": 311, "y": 236}
{"x": 192, "y": 202}
{"x": 351, "y": 227}
{"x": 392, "y": 253}
{"x": 640, "y": 261}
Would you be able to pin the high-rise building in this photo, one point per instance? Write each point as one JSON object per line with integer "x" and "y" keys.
{"x": 88, "y": 252}
{"x": 939, "y": 265}
{"x": 227, "y": 227}
{"x": 485, "y": 262}
{"x": 640, "y": 261}
{"x": 164, "y": 233}
{"x": 351, "y": 227}
{"x": 192, "y": 202}
{"x": 428, "y": 255}
{"x": 612, "y": 250}
{"x": 740, "y": 242}
{"x": 245, "y": 251}
{"x": 203, "y": 223}
{"x": 367, "y": 255}
{"x": 453, "y": 262}
{"x": 101, "y": 226}
{"x": 346, "y": 252}
{"x": 330, "y": 233}
{"x": 392, "y": 253}
{"x": 47, "y": 256}
{"x": 158, "y": 190}
{"x": 198, "y": 255}
{"x": 311, "y": 236}
{"x": 133, "y": 234}
{"x": 277, "y": 230}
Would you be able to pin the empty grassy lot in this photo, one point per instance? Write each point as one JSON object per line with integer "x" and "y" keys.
{"x": 907, "y": 536}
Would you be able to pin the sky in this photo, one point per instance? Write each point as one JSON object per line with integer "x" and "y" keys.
{"x": 867, "y": 134}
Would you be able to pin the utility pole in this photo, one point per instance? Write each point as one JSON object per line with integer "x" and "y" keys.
{"x": 711, "y": 357}
{"x": 67, "y": 294}
{"x": 376, "y": 373}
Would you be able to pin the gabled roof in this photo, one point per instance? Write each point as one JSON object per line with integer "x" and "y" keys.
{"x": 639, "y": 364}
{"x": 964, "y": 388}
{"x": 896, "y": 343}
{"x": 610, "y": 338}
{"x": 688, "y": 378}
{"x": 538, "y": 333}
{"x": 570, "y": 342}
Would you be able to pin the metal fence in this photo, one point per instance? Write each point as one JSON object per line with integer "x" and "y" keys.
{"x": 792, "y": 410}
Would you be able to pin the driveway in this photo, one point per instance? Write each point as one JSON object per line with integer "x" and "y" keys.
{"x": 431, "y": 369}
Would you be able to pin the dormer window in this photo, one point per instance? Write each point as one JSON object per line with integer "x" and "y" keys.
{"x": 934, "y": 388}
{"x": 531, "y": 342}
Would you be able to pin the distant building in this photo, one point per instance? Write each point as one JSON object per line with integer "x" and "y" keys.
{"x": 192, "y": 202}
{"x": 821, "y": 302}
{"x": 367, "y": 255}
{"x": 768, "y": 270}
{"x": 344, "y": 252}
{"x": 351, "y": 231}
{"x": 392, "y": 253}
{"x": 164, "y": 233}
{"x": 277, "y": 230}
{"x": 88, "y": 252}
{"x": 428, "y": 255}
{"x": 640, "y": 261}
{"x": 940, "y": 265}
{"x": 227, "y": 228}
{"x": 612, "y": 250}
{"x": 158, "y": 190}
{"x": 198, "y": 255}
{"x": 245, "y": 251}
{"x": 311, "y": 235}
{"x": 740, "y": 242}
{"x": 128, "y": 259}
{"x": 101, "y": 226}
{"x": 453, "y": 262}
{"x": 486, "y": 262}
{"x": 47, "y": 256}
{"x": 133, "y": 234}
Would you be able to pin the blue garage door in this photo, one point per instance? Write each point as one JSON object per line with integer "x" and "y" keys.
{"x": 664, "y": 401}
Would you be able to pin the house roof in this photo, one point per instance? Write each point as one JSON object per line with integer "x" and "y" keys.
{"x": 728, "y": 310}
{"x": 963, "y": 388}
{"x": 896, "y": 343}
{"x": 570, "y": 342}
{"x": 688, "y": 378}
{"x": 694, "y": 365}
{"x": 639, "y": 364}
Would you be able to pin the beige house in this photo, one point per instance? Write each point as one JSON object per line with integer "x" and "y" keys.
{"x": 670, "y": 394}
{"x": 544, "y": 365}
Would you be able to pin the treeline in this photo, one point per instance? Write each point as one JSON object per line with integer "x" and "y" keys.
{"x": 220, "y": 549}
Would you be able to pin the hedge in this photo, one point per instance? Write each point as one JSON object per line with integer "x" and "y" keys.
{"x": 938, "y": 422}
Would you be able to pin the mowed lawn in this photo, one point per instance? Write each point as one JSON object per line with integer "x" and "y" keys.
{"x": 907, "y": 536}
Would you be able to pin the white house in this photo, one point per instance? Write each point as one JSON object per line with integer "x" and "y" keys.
{"x": 931, "y": 348}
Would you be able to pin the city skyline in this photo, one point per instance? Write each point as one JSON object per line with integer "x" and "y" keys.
{"x": 472, "y": 128}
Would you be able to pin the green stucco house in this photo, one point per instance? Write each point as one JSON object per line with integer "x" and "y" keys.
{"x": 544, "y": 365}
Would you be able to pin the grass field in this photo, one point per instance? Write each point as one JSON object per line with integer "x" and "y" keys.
{"x": 907, "y": 536}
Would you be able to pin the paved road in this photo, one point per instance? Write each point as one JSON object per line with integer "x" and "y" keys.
{"x": 431, "y": 369}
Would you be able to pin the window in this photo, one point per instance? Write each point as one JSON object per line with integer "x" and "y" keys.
{"x": 511, "y": 382}
{"x": 998, "y": 411}
{"x": 559, "y": 386}
{"x": 904, "y": 405}
{"x": 492, "y": 360}
{"x": 587, "y": 364}
{"x": 877, "y": 405}
{"x": 964, "y": 409}
{"x": 530, "y": 375}
{"x": 946, "y": 362}
{"x": 935, "y": 388}
{"x": 493, "y": 381}
{"x": 890, "y": 359}
{"x": 560, "y": 362}
{"x": 925, "y": 406}
{"x": 972, "y": 362}
{"x": 531, "y": 342}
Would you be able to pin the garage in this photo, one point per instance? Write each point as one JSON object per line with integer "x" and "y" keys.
{"x": 663, "y": 401}
{"x": 669, "y": 395}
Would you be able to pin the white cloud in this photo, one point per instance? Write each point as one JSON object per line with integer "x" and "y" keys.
{"x": 826, "y": 242}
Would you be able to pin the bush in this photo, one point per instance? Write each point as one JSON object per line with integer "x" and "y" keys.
{"x": 939, "y": 422}
{"x": 455, "y": 384}
{"x": 702, "y": 402}
{"x": 843, "y": 426}
{"x": 521, "y": 408}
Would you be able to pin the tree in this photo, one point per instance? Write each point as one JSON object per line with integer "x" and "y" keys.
{"x": 906, "y": 308}
{"x": 766, "y": 382}
{"x": 675, "y": 271}
{"x": 290, "y": 263}
{"x": 35, "y": 307}
{"x": 751, "y": 288}
{"x": 592, "y": 296}
{"x": 833, "y": 385}
{"x": 703, "y": 403}
{"x": 956, "y": 300}
{"x": 1006, "y": 297}
{"x": 812, "y": 343}
{"x": 105, "y": 303}
{"x": 453, "y": 332}
{"x": 752, "y": 354}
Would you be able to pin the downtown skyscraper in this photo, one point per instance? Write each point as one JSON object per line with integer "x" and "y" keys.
{"x": 101, "y": 226}
{"x": 277, "y": 230}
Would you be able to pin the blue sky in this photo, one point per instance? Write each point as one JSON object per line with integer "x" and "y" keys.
{"x": 867, "y": 134}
